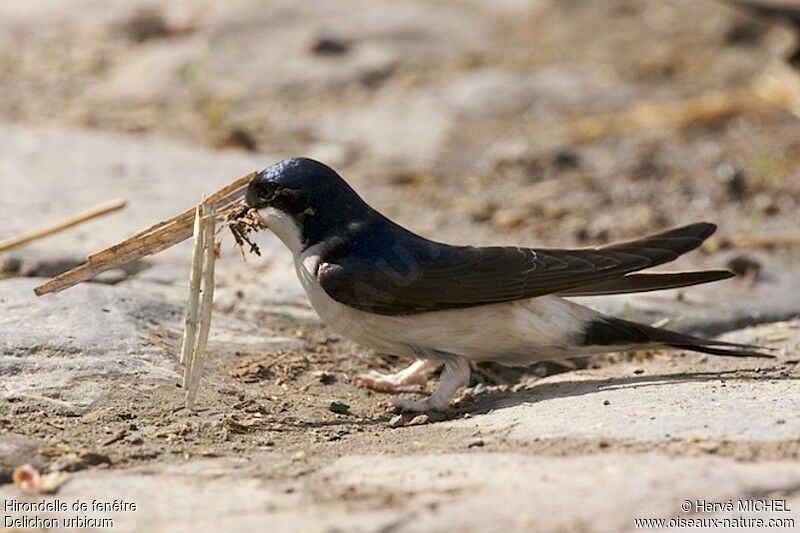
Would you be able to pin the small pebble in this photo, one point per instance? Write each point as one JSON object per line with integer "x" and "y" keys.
{"x": 734, "y": 180}
{"x": 745, "y": 33}
{"x": 478, "y": 443}
{"x": 419, "y": 420}
{"x": 300, "y": 456}
{"x": 339, "y": 408}
{"x": 238, "y": 138}
{"x": 145, "y": 25}
{"x": 325, "y": 377}
{"x": 606, "y": 402}
{"x": 396, "y": 421}
{"x": 566, "y": 158}
{"x": 478, "y": 389}
{"x": 742, "y": 265}
{"x": 330, "y": 46}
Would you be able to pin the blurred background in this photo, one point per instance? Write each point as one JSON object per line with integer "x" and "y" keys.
{"x": 532, "y": 122}
{"x": 470, "y": 119}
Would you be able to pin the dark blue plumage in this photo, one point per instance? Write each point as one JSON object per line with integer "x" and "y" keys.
{"x": 312, "y": 193}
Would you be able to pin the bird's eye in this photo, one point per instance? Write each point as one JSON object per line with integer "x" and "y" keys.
{"x": 266, "y": 190}
{"x": 260, "y": 192}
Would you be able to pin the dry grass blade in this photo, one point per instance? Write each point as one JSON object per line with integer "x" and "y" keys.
{"x": 94, "y": 212}
{"x": 198, "y": 357}
{"x": 154, "y": 239}
{"x": 190, "y": 328}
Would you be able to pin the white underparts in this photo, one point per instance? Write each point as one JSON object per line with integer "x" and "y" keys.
{"x": 284, "y": 227}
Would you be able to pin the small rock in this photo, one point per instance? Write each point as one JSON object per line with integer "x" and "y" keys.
{"x": 743, "y": 265}
{"x": 566, "y": 158}
{"x": 239, "y": 138}
{"x": 436, "y": 416}
{"x": 396, "y": 421}
{"x": 419, "y": 420}
{"x": 325, "y": 377}
{"x": 146, "y": 24}
{"x": 606, "y": 402}
{"x": 330, "y": 46}
{"x": 81, "y": 462}
{"x": 477, "y": 443}
{"x": 744, "y": 33}
{"x": 300, "y": 456}
{"x": 10, "y": 265}
{"x": 734, "y": 180}
{"x": 339, "y": 408}
{"x": 479, "y": 389}
{"x": 16, "y": 450}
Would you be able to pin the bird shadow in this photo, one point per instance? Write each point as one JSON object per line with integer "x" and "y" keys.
{"x": 544, "y": 390}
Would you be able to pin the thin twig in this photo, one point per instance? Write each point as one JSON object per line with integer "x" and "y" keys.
{"x": 152, "y": 240}
{"x": 74, "y": 220}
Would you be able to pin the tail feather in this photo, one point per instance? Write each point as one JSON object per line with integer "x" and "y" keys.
{"x": 609, "y": 331}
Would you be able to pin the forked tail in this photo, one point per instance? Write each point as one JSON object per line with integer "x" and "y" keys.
{"x": 610, "y": 331}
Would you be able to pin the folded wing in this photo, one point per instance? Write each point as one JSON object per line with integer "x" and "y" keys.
{"x": 405, "y": 274}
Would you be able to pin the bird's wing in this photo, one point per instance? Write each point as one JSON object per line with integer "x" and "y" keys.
{"x": 411, "y": 275}
{"x": 648, "y": 281}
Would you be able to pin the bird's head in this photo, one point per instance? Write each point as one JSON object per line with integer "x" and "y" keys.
{"x": 303, "y": 201}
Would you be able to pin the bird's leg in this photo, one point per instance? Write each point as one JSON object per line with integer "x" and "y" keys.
{"x": 415, "y": 374}
{"x": 454, "y": 376}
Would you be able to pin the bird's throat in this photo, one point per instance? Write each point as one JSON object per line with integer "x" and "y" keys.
{"x": 284, "y": 227}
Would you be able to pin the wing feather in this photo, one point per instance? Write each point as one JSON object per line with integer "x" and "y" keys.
{"x": 405, "y": 274}
{"x": 648, "y": 281}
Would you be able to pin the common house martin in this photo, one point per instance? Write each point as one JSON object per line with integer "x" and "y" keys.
{"x": 383, "y": 286}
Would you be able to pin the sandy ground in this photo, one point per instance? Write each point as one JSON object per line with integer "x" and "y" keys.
{"x": 458, "y": 119}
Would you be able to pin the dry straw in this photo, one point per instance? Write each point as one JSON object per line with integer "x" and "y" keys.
{"x": 198, "y": 315}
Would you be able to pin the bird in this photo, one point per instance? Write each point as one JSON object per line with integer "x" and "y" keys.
{"x": 387, "y": 288}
